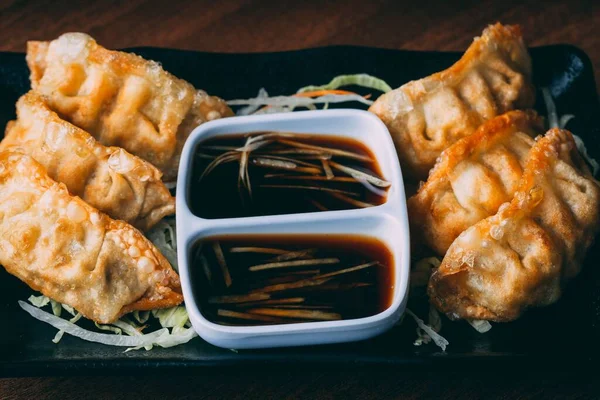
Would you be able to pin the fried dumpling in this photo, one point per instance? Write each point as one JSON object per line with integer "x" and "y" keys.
{"x": 472, "y": 178}
{"x": 522, "y": 256}
{"x": 108, "y": 178}
{"x": 120, "y": 98}
{"x": 426, "y": 116}
{"x": 74, "y": 254}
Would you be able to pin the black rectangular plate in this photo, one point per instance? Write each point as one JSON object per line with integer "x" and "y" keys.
{"x": 560, "y": 336}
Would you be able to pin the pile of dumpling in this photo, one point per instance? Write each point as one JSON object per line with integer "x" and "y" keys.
{"x": 84, "y": 165}
{"x": 511, "y": 210}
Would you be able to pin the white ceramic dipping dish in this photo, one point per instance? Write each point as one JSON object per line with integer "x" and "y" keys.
{"x": 387, "y": 222}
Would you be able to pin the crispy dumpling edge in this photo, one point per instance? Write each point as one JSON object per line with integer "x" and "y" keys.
{"x": 541, "y": 158}
{"x": 484, "y": 137}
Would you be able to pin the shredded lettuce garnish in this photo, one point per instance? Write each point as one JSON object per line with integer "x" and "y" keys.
{"x": 583, "y": 151}
{"x": 131, "y": 329}
{"x": 61, "y": 332}
{"x": 363, "y": 80}
{"x": 134, "y": 338}
{"x": 68, "y": 309}
{"x": 172, "y": 317}
{"x": 428, "y": 332}
{"x": 164, "y": 237}
{"x": 141, "y": 316}
{"x": 110, "y": 328}
{"x": 262, "y": 94}
{"x": 480, "y": 325}
{"x": 294, "y": 102}
{"x": 555, "y": 122}
{"x": 264, "y": 104}
{"x": 56, "y": 308}
{"x": 434, "y": 319}
{"x": 39, "y": 301}
{"x": 550, "y": 108}
{"x": 421, "y": 271}
{"x": 175, "y": 324}
{"x": 74, "y": 330}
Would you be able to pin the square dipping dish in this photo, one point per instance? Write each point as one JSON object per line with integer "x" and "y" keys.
{"x": 380, "y": 230}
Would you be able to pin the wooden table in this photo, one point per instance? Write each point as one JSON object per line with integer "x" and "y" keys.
{"x": 248, "y": 26}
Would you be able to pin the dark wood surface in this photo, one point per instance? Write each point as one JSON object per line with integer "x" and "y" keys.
{"x": 254, "y": 26}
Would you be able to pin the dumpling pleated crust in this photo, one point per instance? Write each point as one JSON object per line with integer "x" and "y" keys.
{"x": 522, "y": 256}
{"x": 72, "y": 253}
{"x": 120, "y": 98}
{"x": 426, "y": 116}
{"x": 472, "y": 178}
{"x": 108, "y": 178}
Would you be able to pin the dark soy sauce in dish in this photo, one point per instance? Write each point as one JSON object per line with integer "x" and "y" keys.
{"x": 249, "y": 280}
{"x": 273, "y": 173}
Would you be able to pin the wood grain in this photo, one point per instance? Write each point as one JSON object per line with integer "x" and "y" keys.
{"x": 255, "y": 26}
{"x": 293, "y": 384}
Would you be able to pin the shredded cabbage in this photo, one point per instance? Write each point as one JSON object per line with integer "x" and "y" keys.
{"x": 480, "y": 325}
{"x": 273, "y": 110}
{"x": 262, "y": 94}
{"x": 74, "y": 330}
{"x": 61, "y": 332}
{"x": 291, "y": 101}
{"x": 135, "y": 339}
{"x": 56, "y": 308}
{"x": 68, "y": 309}
{"x": 174, "y": 317}
{"x": 132, "y": 330}
{"x": 421, "y": 271}
{"x": 434, "y": 319}
{"x": 282, "y": 104}
{"x": 110, "y": 328}
{"x": 550, "y": 108}
{"x": 438, "y": 339}
{"x": 178, "y": 335}
{"x": 583, "y": 151}
{"x": 555, "y": 122}
{"x": 362, "y": 80}
{"x": 39, "y": 301}
{"x": 141, "y": 316}
{"x": 164, "y": 237}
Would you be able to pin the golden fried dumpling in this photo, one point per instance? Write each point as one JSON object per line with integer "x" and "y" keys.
{"x": 120, "y": 98}
{"x": 522, "y": 256}
{"x": 74, "y": 254}
{"x": 472, "y": 178}
{"x": 108, "y": 178}
{"x": 426, "y": 116}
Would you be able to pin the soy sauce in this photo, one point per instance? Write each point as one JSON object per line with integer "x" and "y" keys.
{"x": 355, "y": 294}
{"x": 276, "y": 191}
